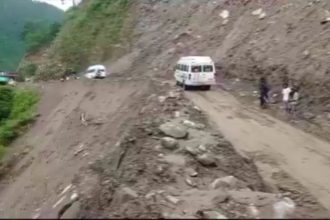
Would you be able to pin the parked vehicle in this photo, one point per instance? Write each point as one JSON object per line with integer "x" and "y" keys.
{"x": 96, "y": 72}
{"x": 4, "y": 80}
{"x": 195, "y": 71}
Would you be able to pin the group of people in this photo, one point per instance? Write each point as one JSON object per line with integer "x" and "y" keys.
{"x": 290, "y": 96}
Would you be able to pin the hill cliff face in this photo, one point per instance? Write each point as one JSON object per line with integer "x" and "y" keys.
{"x": 14, "y": 14}
{"x": 283, "y": 40}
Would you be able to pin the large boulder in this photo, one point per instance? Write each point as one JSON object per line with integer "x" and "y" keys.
{"x": 173, "y": 129}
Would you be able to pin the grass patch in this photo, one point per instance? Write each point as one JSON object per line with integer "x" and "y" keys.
{"x": 22, "y": 107}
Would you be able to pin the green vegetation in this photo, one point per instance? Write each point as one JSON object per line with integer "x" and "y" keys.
{"x": 88, "y": 35}
{"x": 17, "y": 110}
{"x": 39, "y": 34}
{"x": 14, "y": 14}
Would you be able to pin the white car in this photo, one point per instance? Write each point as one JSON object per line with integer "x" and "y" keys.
{"x": 96, "y": 72}
{"x": 195, "y": 71}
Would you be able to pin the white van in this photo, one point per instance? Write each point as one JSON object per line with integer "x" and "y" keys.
{"x": 96, "y": 71}
{"x": 195, "y": 71}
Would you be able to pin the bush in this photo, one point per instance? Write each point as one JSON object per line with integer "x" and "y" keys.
{"x": 22, "y": 112}
{"x": 6, "y": 102}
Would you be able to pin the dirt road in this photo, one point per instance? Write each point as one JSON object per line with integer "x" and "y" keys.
{"x": 270, "y": 142}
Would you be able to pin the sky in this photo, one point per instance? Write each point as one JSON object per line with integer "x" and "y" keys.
{"x": 58, "y": 3}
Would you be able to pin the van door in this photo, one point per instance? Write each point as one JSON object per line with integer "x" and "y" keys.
{"x": 196, "y": 71}
{"x": 208, "y": 73}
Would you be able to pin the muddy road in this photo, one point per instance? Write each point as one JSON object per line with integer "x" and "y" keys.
{"x": 273, "y": 144}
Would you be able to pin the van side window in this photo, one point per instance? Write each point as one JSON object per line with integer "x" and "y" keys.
{"x": 90, "y": 71}
{"x": 207, "y": 68}
{"x": 196, "y": 69}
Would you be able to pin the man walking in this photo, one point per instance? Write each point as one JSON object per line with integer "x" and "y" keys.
{"x": 263, "y": 90}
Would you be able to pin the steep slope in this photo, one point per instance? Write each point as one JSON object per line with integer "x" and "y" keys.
{"x": 91, "y": 33}
{"x": 14, "y": 14}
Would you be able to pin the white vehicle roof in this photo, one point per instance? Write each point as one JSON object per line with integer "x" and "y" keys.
{"x": 96, "y": 67}
{"x": 196, "y": 60}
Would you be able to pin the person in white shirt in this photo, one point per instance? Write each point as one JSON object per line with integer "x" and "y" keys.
{"x": 285, "y": 97}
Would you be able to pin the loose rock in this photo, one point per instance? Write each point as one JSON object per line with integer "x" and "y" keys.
{"x": 161, "y": 99}
{"x": 190, "y": 183}
{"x": 308, "y": 115}
{"x": 191, "y": 124}
{"x": 257, "y": 12}
{"x": 211, "y": 215}
{"x": 191, "y": 172}
{"x": 192, "y": 150}
{"x": 174, "y": 130}
{"x": 197, "y": 108}
{"x": 224, "y": 14}
{"x": 72, "y": 212}
{"x": 262, "y": 15}
{"x": 124, "y": 195}
{"x": 172, "y": 199}
{"x": 206, "y": 160}
{"x": 283, "y": 208}
{"x": 225, "y": 182}
{"x": 169, "y": 143}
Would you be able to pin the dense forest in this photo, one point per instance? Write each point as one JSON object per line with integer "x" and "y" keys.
{"x": 25, "y": 25}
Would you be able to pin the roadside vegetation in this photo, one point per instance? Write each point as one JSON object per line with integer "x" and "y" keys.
{"x": 17, "y": 111}
{"x": 39, "y": 34}
{"x": 90, "y": 34}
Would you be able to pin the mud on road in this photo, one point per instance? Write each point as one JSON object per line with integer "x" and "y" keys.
{"x": 287, "y": 157}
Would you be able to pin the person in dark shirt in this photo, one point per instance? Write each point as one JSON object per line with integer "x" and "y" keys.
{"x": 263, "y": 90}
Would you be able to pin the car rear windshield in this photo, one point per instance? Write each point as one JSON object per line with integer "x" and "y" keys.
{"x": 208, "y": 68}
{"x": 196, "y": 69}
{"x": 199, "y": 69}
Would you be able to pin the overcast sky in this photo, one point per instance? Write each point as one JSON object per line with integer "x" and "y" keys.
{"x": 58, "y": 3}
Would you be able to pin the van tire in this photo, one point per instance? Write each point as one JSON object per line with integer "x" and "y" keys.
{"x": 178, "y": 83}
{"x": 185, "y": 87}
{"x": 207, "y": 88}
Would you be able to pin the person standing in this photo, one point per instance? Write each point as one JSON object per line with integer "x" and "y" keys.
{"x": 263, "y": 90}
{"x": 293, "y": 100}
{"x": 285, "y": 97}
